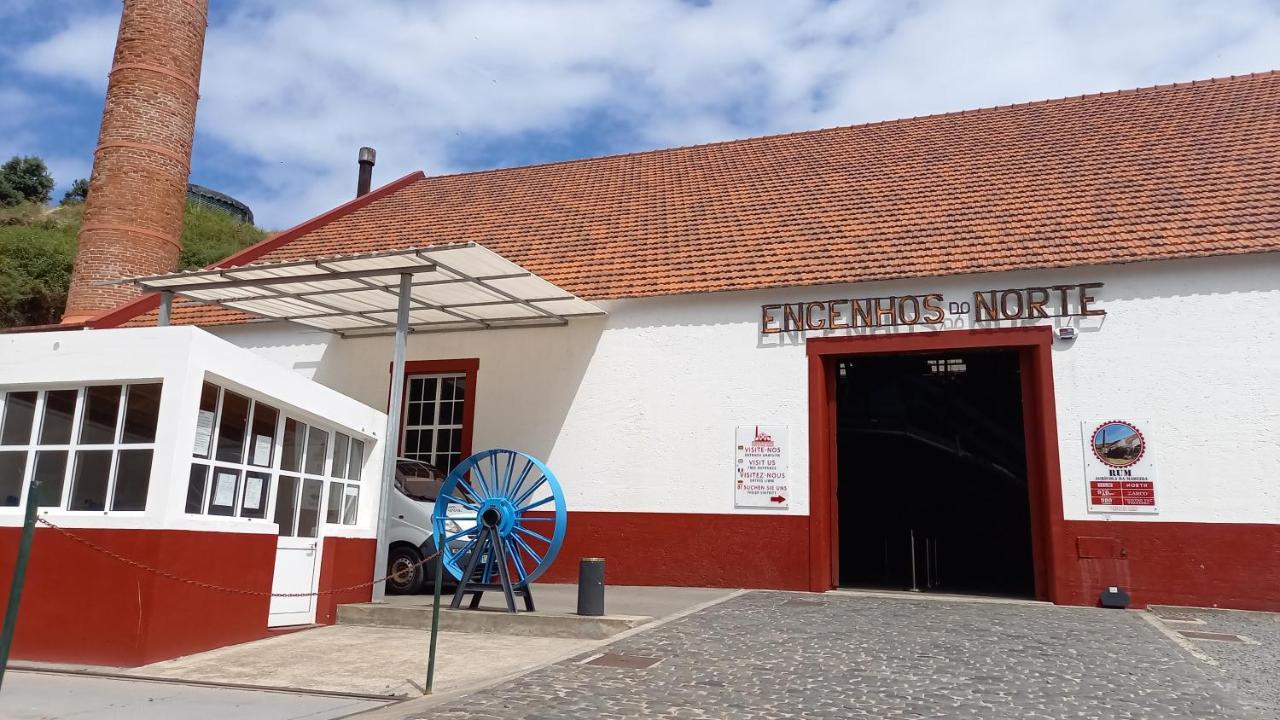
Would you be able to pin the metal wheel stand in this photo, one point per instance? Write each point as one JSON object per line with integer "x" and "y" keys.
{"x": 495, "y": 563}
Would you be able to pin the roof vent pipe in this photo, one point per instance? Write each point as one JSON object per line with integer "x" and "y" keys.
{"x": 367, "y": 158}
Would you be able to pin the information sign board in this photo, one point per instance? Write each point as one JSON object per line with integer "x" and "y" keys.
{"x": 761, "y": 473}
{"x": 1119, "y": 466}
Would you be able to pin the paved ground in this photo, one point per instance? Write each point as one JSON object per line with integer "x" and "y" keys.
{"x": 40, "y": 696}
{"x": 381, "y": 661}
{"x": 778, "y": 655}
{"x": 1251, "y": 667}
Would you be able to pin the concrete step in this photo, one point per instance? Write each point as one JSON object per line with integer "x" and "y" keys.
{"x": 489, "y": 620}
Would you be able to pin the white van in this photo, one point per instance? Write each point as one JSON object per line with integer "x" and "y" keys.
{"x": 409, "y": 528}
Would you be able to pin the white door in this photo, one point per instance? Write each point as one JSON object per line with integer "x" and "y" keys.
{"x": 297, "y": 550}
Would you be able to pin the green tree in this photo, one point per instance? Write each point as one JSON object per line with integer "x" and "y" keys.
{"x": 9, "y": 195}
{"x": 29, "y": 176}
{"x": 79, "y": 192}
{"x": 37, "y": 248}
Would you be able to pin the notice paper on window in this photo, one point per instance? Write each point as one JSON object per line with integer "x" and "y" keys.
{"x": 262, "y": 450}
{"x": 204, "y": 433}
{"x": 224, "y": 489}
{"x": 252, "y": 493}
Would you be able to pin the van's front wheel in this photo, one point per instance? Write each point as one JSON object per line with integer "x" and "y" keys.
{"x": 405, "y": 573}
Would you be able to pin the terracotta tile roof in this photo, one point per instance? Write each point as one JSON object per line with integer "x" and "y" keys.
{"x": 1171, "y": 171}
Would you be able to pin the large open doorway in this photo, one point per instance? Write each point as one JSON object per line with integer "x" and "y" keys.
{"x": 932, "y": 472}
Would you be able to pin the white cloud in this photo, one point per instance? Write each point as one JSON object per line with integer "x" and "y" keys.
{"x": 297, "y": 86}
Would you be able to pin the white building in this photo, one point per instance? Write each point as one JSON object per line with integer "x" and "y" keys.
{"x": 934, "y": 321}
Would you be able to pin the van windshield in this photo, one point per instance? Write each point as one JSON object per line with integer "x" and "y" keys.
{"x": 418, "y": 480}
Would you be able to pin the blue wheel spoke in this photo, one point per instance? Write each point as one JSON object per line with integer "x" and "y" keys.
{"x": 514, "y": 555}
{"x": 506, "y": 476}
{"x": 531, "y": 533}
{"x": 518, "y": 484}
{"x": 469, "y": 531}
{"x": 470, "y": 490}
{"x": 543, "y": 501}
{"x": 537, "y": 559}
{"x": 527, "y": 493}
{"x": 463, "y": 503}
{"x": 462, "y": 550}
{"x": 480, "y": 480}
{"x": 537, "y": 518}
{"x": 493, "y": 477}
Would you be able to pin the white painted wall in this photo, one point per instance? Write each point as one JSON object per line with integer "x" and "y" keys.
{"x": 183, "y": 358}
{"x": 636, "y": 411}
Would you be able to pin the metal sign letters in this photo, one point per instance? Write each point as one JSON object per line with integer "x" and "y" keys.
{"x": 984, "y": 306}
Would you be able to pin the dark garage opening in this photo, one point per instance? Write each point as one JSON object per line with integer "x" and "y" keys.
{"x": 932, "y": 455}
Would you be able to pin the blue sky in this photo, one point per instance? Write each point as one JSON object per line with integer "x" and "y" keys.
{"x": 291, "y": 89}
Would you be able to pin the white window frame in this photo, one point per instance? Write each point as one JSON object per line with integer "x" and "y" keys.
{"x": 275, "y": 469}
{"x": 435, "y": 426}
{"x": 243, "y": 467}
{"x": 34, "y": 446}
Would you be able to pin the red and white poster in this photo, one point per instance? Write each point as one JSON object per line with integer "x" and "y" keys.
{"x": 761, "y": 475}
{"x": 1119, "y": 466}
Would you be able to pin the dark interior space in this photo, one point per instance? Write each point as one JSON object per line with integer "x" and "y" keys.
{"x": 932, "y": 456}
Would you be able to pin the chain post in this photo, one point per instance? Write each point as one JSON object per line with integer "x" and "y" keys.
{"x": 19, "y": 575}
{"x": 435, "y": 621}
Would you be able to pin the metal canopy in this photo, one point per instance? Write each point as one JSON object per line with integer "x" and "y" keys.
{"x": 452, "y": 288}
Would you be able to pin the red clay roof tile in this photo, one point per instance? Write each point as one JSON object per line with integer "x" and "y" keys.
{"x": 1171, "y": 171}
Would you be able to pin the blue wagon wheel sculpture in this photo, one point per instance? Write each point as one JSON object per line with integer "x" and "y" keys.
{"x": 517, "y": 498}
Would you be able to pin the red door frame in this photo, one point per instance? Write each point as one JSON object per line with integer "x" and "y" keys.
{"x": 1044, "y": 482}
{"x": 467, "y": 366}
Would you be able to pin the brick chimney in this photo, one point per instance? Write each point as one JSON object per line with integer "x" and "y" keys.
{"x": 137, "y": 191}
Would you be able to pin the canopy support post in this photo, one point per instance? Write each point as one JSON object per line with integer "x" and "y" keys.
{"x": 391, "y": 444}
{"x": 166, "y": 308}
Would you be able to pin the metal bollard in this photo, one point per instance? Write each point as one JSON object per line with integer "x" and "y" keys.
{"x": 591, "y": 587}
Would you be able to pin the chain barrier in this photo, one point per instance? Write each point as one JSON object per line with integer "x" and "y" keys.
{"x": 218, "y": 588}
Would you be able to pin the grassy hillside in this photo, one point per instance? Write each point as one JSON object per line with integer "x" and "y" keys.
{"x": 37, "y": 247}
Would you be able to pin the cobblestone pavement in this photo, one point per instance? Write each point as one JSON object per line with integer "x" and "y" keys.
{"x": 1250, "y": 667}
{"x": 780, "y": 655}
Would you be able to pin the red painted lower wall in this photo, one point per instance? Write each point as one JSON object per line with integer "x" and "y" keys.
{"x": 1202, "y": 564}
{"x": 85, "y": 607}
{"x": 739, "y": 551}
{"x": 343, "y": 562}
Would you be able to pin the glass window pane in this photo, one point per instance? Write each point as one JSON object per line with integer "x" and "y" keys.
{"x": 89, "y": 482}
{"x": 59, "y": 410}
{"x": 254, "y": 503}
{"x": 204, "y": 420}
{"x": 231, "y": 427}
{"x": 294, "y": 435}
{"x": 263, "y": 442}
{"x": 141, "y": 412}
{"x": 338, "y": 468}
{"x": 286, "y": 504}
{"x": 414, "y": 416}
{"x": 317, "y": 447}
{"x": 101, "y": 408}
{"x": 309, "y": 508}
{"x": 226, "y": 483}
{"x": 350, "y": 505}
{"x": 19, "y": 412}
{"x": 355, "y": 462}
{"x": 415, "y": 389}
{"x": 133, "y": 474}
{"x": 196, "y": 488}
{"x": 13, "y": 463}
{"x": 50, "y": 470}
{"x": 333, "y": 506}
